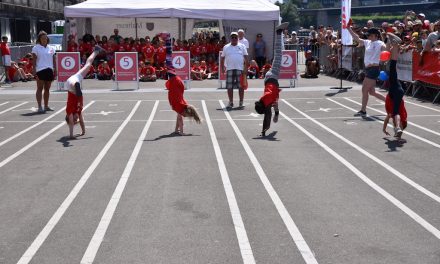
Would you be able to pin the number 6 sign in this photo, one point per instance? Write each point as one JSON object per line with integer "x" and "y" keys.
{"x": 182, "y": 65}
{"x": 288, "y": 69}
{"x": 67, "y": 65}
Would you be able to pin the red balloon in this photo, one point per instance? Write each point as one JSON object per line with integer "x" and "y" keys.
{"x": 385, "y": 55}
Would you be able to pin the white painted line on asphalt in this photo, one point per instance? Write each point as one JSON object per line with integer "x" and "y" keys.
{"x": 31, "y": 127}
{"x": 409, "y": 122}
{"x": 240, "y": 230}
{"x": 42, "y": 236}
{"x": 423, "y": 106}
{"x": 370, "y": 156}
{"x": 3, "y": 103}
{"x": 389, "y": 125}
{"x": 28, "y": 146}
{"x": 98, "y": 236}
{"x": 430, "y": 228}
{"x": 11, "y": 108}
{"x": 296, "y": 235}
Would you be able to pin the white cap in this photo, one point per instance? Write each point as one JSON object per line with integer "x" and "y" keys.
{"x": 294, "y": 32}
{"x": 241, "y": 30}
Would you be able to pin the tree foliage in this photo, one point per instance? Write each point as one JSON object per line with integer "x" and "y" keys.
{"x": 289, "y": 12}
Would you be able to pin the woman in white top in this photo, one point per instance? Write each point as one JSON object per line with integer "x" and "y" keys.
{"x": 44, "y": 71}
{"x": 373, "y": 47}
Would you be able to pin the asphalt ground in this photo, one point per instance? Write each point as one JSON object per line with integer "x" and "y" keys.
{"x": 322, "y": 187}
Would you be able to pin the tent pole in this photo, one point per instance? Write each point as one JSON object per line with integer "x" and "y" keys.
{"x": 136, "y": 26}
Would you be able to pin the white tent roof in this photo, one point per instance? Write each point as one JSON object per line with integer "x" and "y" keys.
{"x": 256, "y": 10}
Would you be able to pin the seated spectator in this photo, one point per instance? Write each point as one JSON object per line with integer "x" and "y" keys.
{"x": 104, "y": 71}
{"x": 16, "y": 73}
{"x": 147, "y": 73}
{"x": 266, "y": 67}
{"x": 204, "y": 69}
{"x": 312, "y": 66}
{"x": 196, "y": 72}
{"x": 253, "y": 70}
{"x": 161, "y": 72}
{"x": 92, "y": 71}
{"x": 28, "y": 74}
{"x": 212, "y": 69}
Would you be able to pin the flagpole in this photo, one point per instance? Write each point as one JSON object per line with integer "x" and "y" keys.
{"x": 344, "y": 21}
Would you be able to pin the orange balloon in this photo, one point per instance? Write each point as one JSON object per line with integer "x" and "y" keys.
{"x": 385, "y": 55}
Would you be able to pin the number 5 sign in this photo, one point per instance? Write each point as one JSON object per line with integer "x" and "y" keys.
{"x": 67, "y": 65}
{"x": 126, "y": 66}
{"x": 288, "y": 69}
{"x": 181, "y": 63}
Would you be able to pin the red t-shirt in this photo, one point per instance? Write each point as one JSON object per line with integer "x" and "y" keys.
{"x": 11, "y": 73}
{"x": 175, "y": 94}
{"x": 5, "y": 48}
{"x": 266, "y": 67}
{"x": 271, "y": 94}
{"x": 148, "y": 70}
{"x": 148, "y": 52}
{"x": 161, "y": 54}
{"x": 72, "y": 47}
{"x": 104, "y": 71}
{"x": 74, "y": 104}
{"x": 402, "y": 110}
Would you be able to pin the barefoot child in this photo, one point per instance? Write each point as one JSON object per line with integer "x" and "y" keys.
{"x": 176, "y": 88}
{"x": 394, "y": 104}
{"x": 271, "y": 86}
{"x": 75, "y": 97}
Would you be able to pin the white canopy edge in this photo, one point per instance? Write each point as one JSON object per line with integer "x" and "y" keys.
{"x": 257, "y": 10}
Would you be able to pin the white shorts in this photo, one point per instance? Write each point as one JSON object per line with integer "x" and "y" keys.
{"x": 6, "y": 59}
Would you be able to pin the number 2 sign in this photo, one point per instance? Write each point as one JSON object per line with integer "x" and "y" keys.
{"x": 288, "y": 69}
{"x": 67, "y": 65}
{"x": 181, "y": 63}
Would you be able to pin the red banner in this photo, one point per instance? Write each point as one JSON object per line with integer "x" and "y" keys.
{"x": 126, "y": 66}
{"x": 288, "y": 69}
{"x": 67, "y": 65}
{"x": 429, "y": 71}
{"x": 181, "y": 63}
{"x": 221, "y": 73}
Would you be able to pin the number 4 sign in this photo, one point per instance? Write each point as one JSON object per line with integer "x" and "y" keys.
{"x": 181, "y": 63}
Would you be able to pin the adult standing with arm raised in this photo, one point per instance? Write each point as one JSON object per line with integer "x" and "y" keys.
{"x": 373, "y": 47}
{"x": 234, "y": 60}
{"x": 44, "y": 70}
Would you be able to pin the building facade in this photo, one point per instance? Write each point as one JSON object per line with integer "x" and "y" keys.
{"x": 21, "y": 20}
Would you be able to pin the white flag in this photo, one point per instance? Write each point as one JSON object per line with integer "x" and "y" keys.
{"x": 345, "y": 17}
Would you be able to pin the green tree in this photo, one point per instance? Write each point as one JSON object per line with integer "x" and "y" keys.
{"x": 289, "y": 13}
{"x": 315, "y": 5}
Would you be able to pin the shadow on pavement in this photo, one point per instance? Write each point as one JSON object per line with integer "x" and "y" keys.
{"x": 171, "y": 135}
{"x": 335, "y": 93}
{"x": 32, "y": 114}
{"x": 269, "y": 137}
{"x": 394, "y": 144}
{"x": 66, "y": 140}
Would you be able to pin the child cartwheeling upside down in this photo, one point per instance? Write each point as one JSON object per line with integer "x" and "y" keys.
{"x": 176, "y": 88}
{"x": 271, "y": 86}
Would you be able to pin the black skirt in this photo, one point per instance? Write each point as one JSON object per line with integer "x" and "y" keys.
{"x": 46, "y": 75}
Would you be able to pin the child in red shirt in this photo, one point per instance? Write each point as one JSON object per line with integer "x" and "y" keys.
{"x": 74, "y": 103}
{"x": 271, "y": 86}
{"x": 176, "y": 88}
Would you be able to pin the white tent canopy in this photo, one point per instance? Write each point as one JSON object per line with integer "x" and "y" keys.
{"x": 256, "y": 10}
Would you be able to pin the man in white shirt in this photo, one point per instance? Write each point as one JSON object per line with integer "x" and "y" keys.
{"x": 234, "y": 60}
{"x": 242, "y": 39}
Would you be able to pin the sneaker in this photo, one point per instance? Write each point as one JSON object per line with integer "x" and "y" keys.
{"x": 241, "y": 104}
{"x": 275, "y": 117}
{"x": 263, "y": 133}
{"x": 98, "y": 48}
{"x": 230, "y": 105}
{"x": 394, "y": 39}
{"x": 397, "y": 132}
{"x": 282, "y": 26}
{"x": 361, "y": 113}
{"x": 47, "y": 108}
{"x": 41, "y": 110}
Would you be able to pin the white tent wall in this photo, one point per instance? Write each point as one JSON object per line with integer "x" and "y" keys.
{"x": 127, "y": 26}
